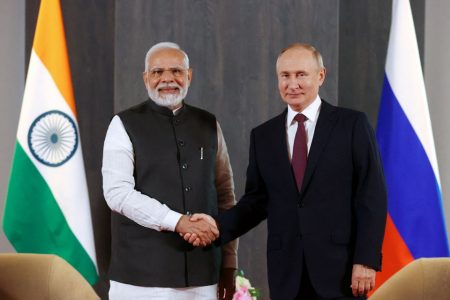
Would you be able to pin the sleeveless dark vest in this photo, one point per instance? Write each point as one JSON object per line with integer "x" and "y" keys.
{"x": 175, "y": 164}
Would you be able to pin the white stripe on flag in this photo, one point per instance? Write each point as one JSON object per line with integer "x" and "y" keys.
{"x": 404, "y": 72}
{"x": 67, "y": 182}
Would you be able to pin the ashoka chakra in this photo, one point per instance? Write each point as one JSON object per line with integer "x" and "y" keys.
{"x": 53, "y": 138}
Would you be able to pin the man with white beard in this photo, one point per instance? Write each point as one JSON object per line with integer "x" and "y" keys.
{"x": 164, "y": 160}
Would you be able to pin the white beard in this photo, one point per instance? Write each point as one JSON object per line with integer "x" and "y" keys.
{"x": 167, "y": 100}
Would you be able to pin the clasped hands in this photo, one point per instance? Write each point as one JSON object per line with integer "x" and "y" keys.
{"x": 198, "y": 229}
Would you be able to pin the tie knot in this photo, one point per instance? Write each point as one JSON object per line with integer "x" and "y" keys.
{"x": 300, "y": 118}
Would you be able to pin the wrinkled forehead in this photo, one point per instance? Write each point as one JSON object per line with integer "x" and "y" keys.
{"x": 166, "y": 58}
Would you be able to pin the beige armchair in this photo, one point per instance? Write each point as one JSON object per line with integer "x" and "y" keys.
{"x": 41, "y": 276}
{"x": 422, "y": 279}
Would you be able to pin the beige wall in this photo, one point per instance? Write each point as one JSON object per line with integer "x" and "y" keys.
{"x": 437, "y": 81}
{"x": 12, "y": 51}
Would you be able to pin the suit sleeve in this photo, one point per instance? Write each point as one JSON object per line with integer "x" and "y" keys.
{"x": 370, "y": 198}
{"x": 252, "y": 208}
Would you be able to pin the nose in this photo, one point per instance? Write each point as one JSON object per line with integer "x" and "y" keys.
{"x": 167, "y": 76}
{"x": 293, "y": 83}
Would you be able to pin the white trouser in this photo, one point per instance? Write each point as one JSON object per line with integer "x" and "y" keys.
{"x": 122, "y": 291}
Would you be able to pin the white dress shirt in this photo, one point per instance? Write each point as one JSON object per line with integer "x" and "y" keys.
{"x": 118, "y": 184}
{"x": 312, "y": 114}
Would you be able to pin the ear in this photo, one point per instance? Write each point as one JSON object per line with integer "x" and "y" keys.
{"x": 144, "y": 77}
{"x": 189, "y": 75}
{"x": 322, "y": 74}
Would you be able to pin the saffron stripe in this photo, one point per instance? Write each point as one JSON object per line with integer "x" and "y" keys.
{"x": 50, "y": 45}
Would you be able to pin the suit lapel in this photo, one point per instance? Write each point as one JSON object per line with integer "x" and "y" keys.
{"x": 327, "y": 118}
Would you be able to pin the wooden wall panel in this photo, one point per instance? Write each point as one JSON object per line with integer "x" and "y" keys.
{"x": 363, "y": 39}
{"x": 232, "y": 45}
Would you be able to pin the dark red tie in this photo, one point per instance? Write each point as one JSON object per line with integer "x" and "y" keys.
{"x": 300, "y": 152}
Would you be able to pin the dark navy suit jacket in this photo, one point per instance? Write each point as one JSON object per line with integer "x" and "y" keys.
{"x": 336, "y": 220}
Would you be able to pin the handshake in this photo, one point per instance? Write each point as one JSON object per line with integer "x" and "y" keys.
{"x": 198, "y": 229}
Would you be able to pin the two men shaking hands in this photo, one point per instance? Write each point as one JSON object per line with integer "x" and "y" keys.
{"x": 198, "y": 229}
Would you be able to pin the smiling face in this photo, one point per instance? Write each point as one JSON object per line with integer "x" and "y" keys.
{"x": 167, "y": 79}
{"x": 299, "y": 77}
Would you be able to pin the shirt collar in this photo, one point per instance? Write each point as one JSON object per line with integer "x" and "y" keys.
{"x": 177, "y": 110}
{"x": 310, "y": 112}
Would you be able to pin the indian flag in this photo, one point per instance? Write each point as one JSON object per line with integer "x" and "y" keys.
{"x": 47, "y": 206}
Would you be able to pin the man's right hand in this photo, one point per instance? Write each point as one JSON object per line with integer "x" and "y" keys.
{"x": 201, "y": 228}
{"x": 192, "y": 237}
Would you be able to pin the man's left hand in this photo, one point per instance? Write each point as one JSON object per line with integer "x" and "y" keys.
{"x": 363, "y": 280}
{"x": 226, "y": 284}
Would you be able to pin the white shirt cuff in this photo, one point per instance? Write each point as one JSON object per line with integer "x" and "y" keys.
{"x": 170, "y": 221}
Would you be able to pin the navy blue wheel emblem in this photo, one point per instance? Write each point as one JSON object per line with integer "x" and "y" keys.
{"x": 53, "y": 138}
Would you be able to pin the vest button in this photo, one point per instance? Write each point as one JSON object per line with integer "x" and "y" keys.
{"x": 187, "y": 189}
{"x": 181, "y": 143}
{"x": 176, "y": 121}
{"x": 185, "y": 166}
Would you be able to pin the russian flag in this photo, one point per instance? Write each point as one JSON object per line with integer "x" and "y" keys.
{"x": 415, "y": 225}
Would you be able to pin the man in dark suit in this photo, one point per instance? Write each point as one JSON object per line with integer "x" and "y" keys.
{"x": 315, "y": 174}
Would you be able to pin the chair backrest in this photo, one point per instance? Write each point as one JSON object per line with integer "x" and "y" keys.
{"x": 422, "y": 279}
{"x": 41, "y": 276}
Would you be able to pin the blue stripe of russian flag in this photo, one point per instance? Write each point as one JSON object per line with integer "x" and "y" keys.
{"x": 414, "y": 197}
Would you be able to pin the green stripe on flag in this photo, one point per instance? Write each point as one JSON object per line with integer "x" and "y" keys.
{"x": 33, "y": 221}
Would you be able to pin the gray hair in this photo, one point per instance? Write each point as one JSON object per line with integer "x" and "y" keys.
{"x": 165, "y": 45}
{"x": 308, "y": 47}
